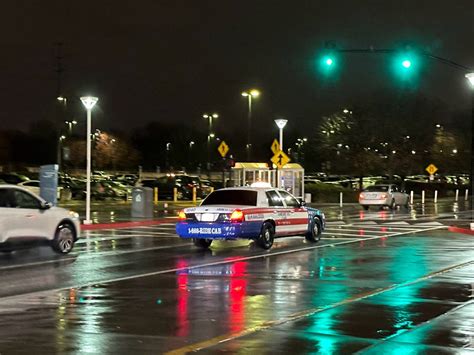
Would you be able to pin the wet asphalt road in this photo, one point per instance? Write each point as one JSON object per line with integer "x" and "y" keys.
{"x": 378, "y": 281}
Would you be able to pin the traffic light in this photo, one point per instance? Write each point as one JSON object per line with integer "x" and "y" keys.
{"x": 328, "y": 63}
{"x": 406, "y": 65}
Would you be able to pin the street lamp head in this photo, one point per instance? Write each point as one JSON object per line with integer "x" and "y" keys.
{"x": 61, "y": 98}
{"x": 255, "y": 93}
{"x": 245, "y": 94}
{"x": 212, "y": 135}
{"x": 345, "y": 110}
{"x": 470, "y": 77}
{"x": 215, "y": 115}
{"x": 281, "y": 123}
{"x": 205, "y": 115}
{"x": 74, "y": 122}
{"x": 89, "y": 101}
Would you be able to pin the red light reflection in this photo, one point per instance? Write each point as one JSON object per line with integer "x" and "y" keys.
{"x": 237, "y": 291}
{"x": 182, "y": 302}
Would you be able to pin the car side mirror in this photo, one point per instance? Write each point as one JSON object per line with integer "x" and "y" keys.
{"x": 302, "y": 203}
{"x": 45, "y": 205}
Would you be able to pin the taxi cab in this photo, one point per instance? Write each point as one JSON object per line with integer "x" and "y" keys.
{"x": 258, "y": 213}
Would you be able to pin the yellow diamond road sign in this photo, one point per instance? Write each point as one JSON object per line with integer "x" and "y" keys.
{"x": 431, "y": 169}
{"x": 275, "y": 146}
{"x": 280, "y": 159}
{"x": 223, "y": 149}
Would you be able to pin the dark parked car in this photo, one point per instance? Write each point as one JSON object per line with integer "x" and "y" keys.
{"x": 184, "y": 184}
{"x": 12, "y": 178}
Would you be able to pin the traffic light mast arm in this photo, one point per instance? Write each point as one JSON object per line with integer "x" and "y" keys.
{"x": 426, "y": 54}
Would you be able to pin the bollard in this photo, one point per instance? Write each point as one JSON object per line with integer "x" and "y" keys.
{"x": 436, "y": 196}
{"x": 411, "y": 197}
{"x": 194, "y": 194}
{"x": 155, "y": 195}
{"x": 457, "y": 195}
{"x": 340, "y": 199}
{"x": 175, "y": 194}
{"x": 423, "y": 197}
{"x": 466, "y": 197}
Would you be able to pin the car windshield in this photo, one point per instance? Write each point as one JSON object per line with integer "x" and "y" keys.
{"x": 377, "y": 188}
{"x": 231, "y": 197}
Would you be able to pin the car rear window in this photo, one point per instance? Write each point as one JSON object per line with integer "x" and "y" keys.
{"x": 232, "y": 197}
{"x": 377, "y": 188}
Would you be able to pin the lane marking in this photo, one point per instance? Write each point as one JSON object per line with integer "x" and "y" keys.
{"x": 205, "y": 344}
{"x": 91, "y": 255}
{"x": 220, "y": 262}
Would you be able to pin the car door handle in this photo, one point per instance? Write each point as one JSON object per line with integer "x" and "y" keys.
{"x": 29, "y": 215}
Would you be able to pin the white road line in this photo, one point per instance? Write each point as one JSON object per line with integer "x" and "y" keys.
{"x": 333, "y": 230}
{"x": 92, "y": 255}
{"x": 221, "y": 262}
{"x": 118, "y": 237}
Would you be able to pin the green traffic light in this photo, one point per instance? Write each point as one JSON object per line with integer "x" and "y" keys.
{"x": 406, "y": 63}
{"x": 329, "y": 61}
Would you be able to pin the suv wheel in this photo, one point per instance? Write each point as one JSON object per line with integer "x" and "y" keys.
{"x": 64, "y": 238}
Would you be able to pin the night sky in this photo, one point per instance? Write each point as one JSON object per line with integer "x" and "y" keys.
{"x": 174, "y": 60}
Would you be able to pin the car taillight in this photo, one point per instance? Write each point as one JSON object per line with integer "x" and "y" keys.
{"x": 361, "y": 195}
{"x": 237, "y": 216}
{"x": 181, "y": 215}
{"x": 384, "y": 196}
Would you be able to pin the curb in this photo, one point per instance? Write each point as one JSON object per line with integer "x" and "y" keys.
{"x": 461, "y": 230}
{"x": 119, "y": 225}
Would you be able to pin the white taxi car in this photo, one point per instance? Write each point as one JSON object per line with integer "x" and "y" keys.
{"x": 258, "y": 213}
{"x": 26, "y": 219}
{"x": 383, "y": 195}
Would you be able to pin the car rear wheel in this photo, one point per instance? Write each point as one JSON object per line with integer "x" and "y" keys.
{"x": 265, "y": 239}
{"x": 202, "y": 243}
{"x": 315, "y": 234}
{"x": 64, "y": 238}
{"x": 392, "y": 205}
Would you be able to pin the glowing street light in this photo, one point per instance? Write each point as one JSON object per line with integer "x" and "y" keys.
{"x": 70, "y": 124}
{"x": 281, "y": 123}
{"x": 250, "y": 95}
{"x": 88, "y": 102}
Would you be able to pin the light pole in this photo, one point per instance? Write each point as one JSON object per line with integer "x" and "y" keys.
{"x": 88, "y": 102}
{"x": 470, "y": 77}
{"x": 281, "y": 123}
{"x": 250, "y": 95}
{"x": 210, "y": 135}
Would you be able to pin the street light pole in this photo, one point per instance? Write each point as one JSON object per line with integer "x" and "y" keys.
{"x": 210, "y": 135}
{"x": 250, "y": 95}
{"x": 281, "y": 123}
{"x": 88, "y": 102}
{"x": 470, "y": 77}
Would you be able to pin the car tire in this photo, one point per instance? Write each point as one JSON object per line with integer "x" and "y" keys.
{"x": 366, "y": 208}
{"x": 64, "y": 238}
{"x": 392, "y": 205}
{"x": 315, "y": 234}
{"x": 266, "y": 237}
{"x": 202, "y": 243}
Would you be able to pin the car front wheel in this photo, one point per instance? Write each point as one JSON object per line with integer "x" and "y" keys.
{"x": 64, "y": 238}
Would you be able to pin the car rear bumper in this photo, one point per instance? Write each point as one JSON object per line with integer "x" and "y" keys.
{"x": 374, "y": 202}
{"x": 202, "y": 230}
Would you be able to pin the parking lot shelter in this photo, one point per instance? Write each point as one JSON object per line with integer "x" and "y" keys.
{"x": 291, "y": 176}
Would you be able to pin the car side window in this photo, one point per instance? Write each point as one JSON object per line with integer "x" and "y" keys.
{"x": 5, "y": 198}
{"x": 25, "y": 200}
{"x": 274, "y": 199}
{"x": 289, "y": 200}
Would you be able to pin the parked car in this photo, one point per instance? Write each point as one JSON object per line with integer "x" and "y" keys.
{"x": 129, "y": 179}
{"x": 13, "y": 178}
{"x": 26, "y": 219}
{"x": 31, "y": 185}
{"x": 383, "y": 195}
{"x": 183, "y": 183}
{"x": 258, "y": 213}
{"x": 207, "y": 187}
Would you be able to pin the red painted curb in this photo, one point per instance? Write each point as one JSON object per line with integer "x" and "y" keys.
{"x": 461, "y": 230}
{"x": 118, "y": 225}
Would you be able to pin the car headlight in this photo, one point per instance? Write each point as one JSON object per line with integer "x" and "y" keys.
{"x": 73, "y": 214}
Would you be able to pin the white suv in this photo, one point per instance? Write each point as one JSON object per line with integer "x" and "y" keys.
{"x": 27, "y": 219}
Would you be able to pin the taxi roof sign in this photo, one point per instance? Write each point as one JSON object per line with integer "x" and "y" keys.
{"x": 431, "y": 169}
{"x": 280, "y": 159}
{"x": 275, "y": 147}
{"x": 223, "y": 149}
